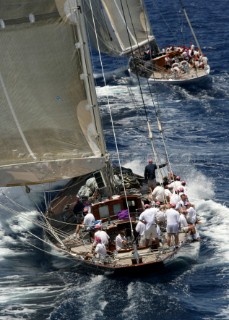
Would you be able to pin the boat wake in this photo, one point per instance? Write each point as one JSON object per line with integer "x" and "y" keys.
{"x": 113, "y": 76}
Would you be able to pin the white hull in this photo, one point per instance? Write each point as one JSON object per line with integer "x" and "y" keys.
{"x": 188, "y": 78}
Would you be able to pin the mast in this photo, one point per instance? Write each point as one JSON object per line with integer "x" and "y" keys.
{"x": 190, "y": 26}
{"x": 87, "y": 76}
{"x": 91, "y": 92}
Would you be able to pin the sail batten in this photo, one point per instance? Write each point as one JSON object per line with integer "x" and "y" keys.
{"x": 48, "y": 119}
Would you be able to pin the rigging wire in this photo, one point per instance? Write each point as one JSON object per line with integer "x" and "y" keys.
{"x": 49, "y": 252}
{"x": 144, "y": 105}
{"x": 62, "y": 247}
{"x": 112, "y": 124}
{"x": 150, "y": 134}
{"x": 47, "y": 226}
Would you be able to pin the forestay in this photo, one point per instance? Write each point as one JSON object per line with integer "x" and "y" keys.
{"x": 49, "y": 126}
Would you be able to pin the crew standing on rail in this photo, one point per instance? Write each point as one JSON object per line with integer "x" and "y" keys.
{"x": 150, "y": 175}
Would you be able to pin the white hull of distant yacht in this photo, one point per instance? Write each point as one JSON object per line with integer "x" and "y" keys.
{"x": 189, "y": 78}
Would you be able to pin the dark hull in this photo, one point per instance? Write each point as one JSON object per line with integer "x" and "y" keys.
{"x": 135, "y": 269}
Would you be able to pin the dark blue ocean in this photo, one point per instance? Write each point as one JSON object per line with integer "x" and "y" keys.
{"x": 38, "y": 283}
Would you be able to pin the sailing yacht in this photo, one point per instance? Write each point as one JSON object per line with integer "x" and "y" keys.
{"x": 51, "y": 131}
{"x": 123, "y": 28}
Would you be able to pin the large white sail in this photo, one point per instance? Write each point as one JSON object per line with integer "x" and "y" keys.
{"x": 120, "y": 26}
{"x": 49, "y": 125}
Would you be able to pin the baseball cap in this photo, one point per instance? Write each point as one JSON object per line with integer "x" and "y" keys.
{"x": 98, "y": 239}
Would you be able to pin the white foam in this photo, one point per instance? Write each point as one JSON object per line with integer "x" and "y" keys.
{"x": 215, "y": 226}
{"x": 135, "y": 166}
{"x": 214, "y": 216}
{"x": 199, "y": 186}
{"x": 224, "y": 313}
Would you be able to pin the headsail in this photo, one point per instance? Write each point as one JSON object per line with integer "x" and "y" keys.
{"x": 121, "y": 26}
{"x": 49, "y": 126}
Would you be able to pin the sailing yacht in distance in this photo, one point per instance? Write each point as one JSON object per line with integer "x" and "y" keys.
{"x": 123, "y": 28}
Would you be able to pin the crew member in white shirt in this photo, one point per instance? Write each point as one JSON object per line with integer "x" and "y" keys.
{"x": 120, "y": 241}
{"x": 148, "y": 217}
{"x": 173, "y": 219}
{"x": 175, "y": 185}
{"x": 101, "y": 234}
{"x": 168, "y": 194}
{"x": 158, "y": 193}
{"x": 191, "y": 216}
{"x": 192, "y": 219}
{"x": 184, "y": 226}
{"x": 181, "y": 204}
{"x": 88, "y": 221}
{"x": 100, "y": 249}
{"x": 175, "y": 198}
{"x": 141, "y": 228}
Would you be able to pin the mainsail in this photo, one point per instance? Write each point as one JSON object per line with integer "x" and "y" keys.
{"x": 49, "y": 126}
{"x": 119, "y": 26}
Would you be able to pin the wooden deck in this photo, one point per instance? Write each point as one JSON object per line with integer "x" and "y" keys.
{"x": 80, "y": 247}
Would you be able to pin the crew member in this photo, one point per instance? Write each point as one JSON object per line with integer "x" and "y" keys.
{"x": 150, "y": 175}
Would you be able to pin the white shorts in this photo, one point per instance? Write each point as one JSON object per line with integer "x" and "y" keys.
{"x": 151, "y": 232}
{"x": 142, "y": 241}
{"x": 172, "y": 228}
